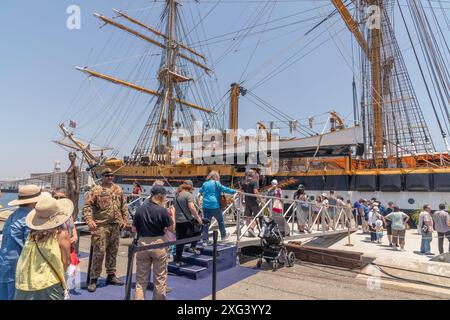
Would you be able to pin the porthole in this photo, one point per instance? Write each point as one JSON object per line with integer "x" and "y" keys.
{"x": 411, "y": 201}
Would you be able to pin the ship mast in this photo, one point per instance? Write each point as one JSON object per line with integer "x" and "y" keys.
{"x": 171, "y": 64}
{"x": 154, "y": 145}
{"x": 235, "y": 92}
{"x": 377, "y": 99}
{"x": 394, "y": 125}
{"x": 373, "y": 54}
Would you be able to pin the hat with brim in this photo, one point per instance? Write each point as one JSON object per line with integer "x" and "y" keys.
{"x": 49, "y": 214}
{"x": 27, "y": 194}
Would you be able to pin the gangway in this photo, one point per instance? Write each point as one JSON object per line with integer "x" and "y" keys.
{"x": 321, "y": 221}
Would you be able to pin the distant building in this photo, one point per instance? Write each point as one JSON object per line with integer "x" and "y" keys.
{"x": 58, "y": 179}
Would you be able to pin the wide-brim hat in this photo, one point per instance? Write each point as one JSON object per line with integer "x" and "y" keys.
{"x": 27, "y": 194}
{"x": 49, "y": 214}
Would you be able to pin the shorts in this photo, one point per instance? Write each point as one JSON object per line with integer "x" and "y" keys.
{"x": 251, "y": 211}
{"x": 398, "y": 236}
{"x": 389, "y": 230}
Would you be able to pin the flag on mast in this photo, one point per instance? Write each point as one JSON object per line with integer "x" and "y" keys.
{"x": 73, "y": 124}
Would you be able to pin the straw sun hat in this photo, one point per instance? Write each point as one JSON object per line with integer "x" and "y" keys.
{"x": 49, "y": 214}
{"x": 28, "y": 194}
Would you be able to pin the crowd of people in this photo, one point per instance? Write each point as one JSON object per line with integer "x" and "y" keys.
{"x": 39, "y": 238}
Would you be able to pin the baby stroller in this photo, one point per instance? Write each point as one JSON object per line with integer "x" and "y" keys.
{"x": 274, "y": 251}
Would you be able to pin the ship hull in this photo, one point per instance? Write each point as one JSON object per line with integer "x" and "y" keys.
{"x": 410, "y": 191}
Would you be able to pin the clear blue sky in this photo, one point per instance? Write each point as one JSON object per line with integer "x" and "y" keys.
{"x": 39, "y": 82}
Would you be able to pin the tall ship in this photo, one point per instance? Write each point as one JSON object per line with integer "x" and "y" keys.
{"x": 386, "y": 151}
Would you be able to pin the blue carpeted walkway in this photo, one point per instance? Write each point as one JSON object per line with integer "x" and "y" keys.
{"x": 183, "y": 288}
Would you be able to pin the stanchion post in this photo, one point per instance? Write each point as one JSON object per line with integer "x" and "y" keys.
{"x": 129, "y": 271}
{"x": 214, "y": 275}
{"x": 293, "y": 212}
{"x": 88, "y": 277}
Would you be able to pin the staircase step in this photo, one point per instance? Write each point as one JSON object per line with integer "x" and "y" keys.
{"x": 208, "y": 250}
{"x": 226, "y": 256}
{"x": 189, "y": 270}
{"x": 200, "y": 260}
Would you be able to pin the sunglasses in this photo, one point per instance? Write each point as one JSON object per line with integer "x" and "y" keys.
{"x": 59, "y": 197}
{"x": 108, "y": 175}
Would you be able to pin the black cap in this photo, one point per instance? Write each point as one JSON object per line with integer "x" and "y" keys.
{"x": 158, "y": 190}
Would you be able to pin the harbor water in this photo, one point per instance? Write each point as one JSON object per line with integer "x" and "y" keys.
{"x": 5, "y": 198}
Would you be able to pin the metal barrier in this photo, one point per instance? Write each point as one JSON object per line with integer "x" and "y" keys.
{"x": 316, "y": 215}
{"x": 134, "y": 248}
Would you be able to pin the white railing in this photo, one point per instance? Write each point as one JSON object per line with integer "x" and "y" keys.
{"x": 319, "y": 215}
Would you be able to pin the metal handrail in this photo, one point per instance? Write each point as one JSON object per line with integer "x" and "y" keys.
{"x": 254, "y": 219}
{"x": 137, "y": 199}
{"x": 323, "y": 215}
{"x": 289, "y": 209}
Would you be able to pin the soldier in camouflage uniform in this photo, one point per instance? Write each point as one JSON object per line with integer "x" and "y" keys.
{"x": 106, "y": 213}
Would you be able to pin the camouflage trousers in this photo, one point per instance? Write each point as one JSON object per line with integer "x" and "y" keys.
{"x": 105, "y": 240}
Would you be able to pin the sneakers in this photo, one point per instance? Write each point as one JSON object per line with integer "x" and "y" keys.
{"x": 225, "y": 238}
{"x": 180, "y": 264}
{"x": 205, "y": 243}
{"x": 92, "y": 286}
{"x": 112, "y": 279}
{"x": 193, "y": 250}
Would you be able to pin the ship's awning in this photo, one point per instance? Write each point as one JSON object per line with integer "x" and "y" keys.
{"x": 335, "y": 143}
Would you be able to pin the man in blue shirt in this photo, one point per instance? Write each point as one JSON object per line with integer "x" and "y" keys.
{"x": 15, "y": 233}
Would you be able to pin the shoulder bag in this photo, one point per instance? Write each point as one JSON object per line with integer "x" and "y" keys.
{"x": 221, "y": 198}
{"x": 196, "y": 227}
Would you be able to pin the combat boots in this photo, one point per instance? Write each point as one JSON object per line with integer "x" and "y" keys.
{"x": 92, "y": 286}
{"x": 112, "y": 279}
